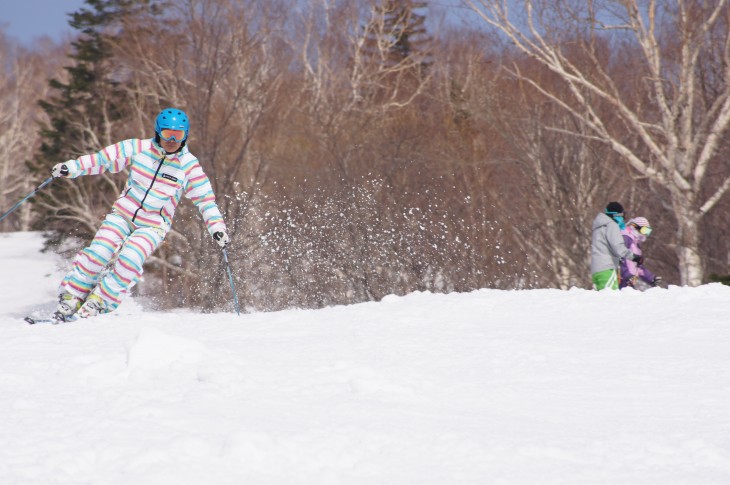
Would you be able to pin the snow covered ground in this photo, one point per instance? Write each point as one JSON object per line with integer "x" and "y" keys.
{"x": 489, "y": 387}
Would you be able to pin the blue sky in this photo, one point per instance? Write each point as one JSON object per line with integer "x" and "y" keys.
{"x": 26, "y": 20}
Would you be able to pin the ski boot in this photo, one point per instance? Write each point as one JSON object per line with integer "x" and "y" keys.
{"x": 67, "y": 306}
{"x": 93, "y": 306}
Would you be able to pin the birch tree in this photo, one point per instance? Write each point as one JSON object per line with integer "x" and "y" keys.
{"x": 670, "y": 125}
{"x": 22, "y": 84}
{"x": 561, "y": 195}
{"x": 225, "y": 71}
{"x": 16, "y": 134}
{"x": 361, "y": 64}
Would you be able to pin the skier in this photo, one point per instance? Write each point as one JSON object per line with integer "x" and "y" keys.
{"x": 162, "y": 169}
{"x": 635, "y": 233}
{"x": 608, "y": 248}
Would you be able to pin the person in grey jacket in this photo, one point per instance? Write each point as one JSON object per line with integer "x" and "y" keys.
{"x": 608, "y": 247}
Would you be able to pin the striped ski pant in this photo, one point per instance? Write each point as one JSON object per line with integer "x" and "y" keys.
{"x": 116, "y": 234}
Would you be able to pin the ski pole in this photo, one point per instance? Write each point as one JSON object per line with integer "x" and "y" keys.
{"x": 45, "y": 182}
{"x": 230, "y": 280}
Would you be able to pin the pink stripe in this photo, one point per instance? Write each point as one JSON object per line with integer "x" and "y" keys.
{"x": 131, "y": 269}
{"x": 81, "y": 289}
{"x": 115, "y": 230}
{"x": 93, "y": 260}
{"x": 108, "y": 296}
{"x": 139, "y": 246}
{"x": 144, "y": 174}
{"x": 144, "y": 219}
{"x": 122, "y": 208}
{"x": 87, "y": 270}
{"x": 106, "y": 239}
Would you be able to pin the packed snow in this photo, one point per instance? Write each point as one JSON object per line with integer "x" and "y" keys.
{"x": 488, "y": 387}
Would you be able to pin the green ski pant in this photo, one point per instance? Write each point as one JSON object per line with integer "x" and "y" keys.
{"x": 606, "y": 279}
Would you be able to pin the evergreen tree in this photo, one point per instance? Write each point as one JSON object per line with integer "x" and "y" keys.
{"x": 391, "y": 67}
{"x": 397, "y": 34}
{"x": 86, "y": 114}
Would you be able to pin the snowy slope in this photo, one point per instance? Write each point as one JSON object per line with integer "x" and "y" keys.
{"x": 502, "y": 387}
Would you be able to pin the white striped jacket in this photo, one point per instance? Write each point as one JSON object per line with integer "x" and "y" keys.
{"x": 155, "y": 184}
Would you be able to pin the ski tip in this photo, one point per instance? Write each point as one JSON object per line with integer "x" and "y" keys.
{"x": 51, "y": 320}
{"x": 36, "y": 321}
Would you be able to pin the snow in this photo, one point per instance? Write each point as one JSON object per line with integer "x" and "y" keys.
{"x": 488, "y": 387}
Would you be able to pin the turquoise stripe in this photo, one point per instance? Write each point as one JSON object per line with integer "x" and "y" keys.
{"x": 123, "y": 150}
{"x": 98, "y": 258}
{"x": 133, "y": 264}
{"x": 122, "y": 229}
{"x": 113, "y": 294}
{"x": 197, "y": 185}
{"x": 120, "y": 283}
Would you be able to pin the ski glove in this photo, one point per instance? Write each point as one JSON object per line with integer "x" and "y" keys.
{"x": 60, "y": 170}
{"x": 656, "y": 281}
{"x": 638, "y": 259}
{"x": 221, "y": 238}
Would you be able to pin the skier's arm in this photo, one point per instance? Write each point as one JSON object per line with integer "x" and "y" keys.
{"x": 200, "y": 192}
{"x": 113, "y": 158}
{"x": 627, "y": 241}
{"x": 616, "y": 243}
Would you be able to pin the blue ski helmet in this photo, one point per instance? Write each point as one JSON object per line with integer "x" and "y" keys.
{"x": 173, "y": 119}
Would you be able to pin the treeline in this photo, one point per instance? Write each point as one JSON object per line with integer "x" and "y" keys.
{"x": 357, "y": 149}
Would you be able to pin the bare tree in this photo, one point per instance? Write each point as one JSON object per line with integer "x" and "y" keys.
{"x": 561, "y": 194}
{"x": 351, "y": 56}
{"x": 669, "y": 131}
{"x": 361, "y": 63}
{"x": 225, "y": 71}
{"x": 22, "y": 84}
{"x": 15, "y": 131}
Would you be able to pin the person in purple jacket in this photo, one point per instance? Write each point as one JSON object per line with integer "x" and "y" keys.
{"x": 635, "y": 233}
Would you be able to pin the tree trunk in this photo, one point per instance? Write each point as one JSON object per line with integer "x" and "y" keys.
{"x": 689, "y": 220}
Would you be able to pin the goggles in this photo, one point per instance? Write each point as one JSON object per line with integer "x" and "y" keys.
{"x": 172, "y": 135}
{"x": 645, "y": 230}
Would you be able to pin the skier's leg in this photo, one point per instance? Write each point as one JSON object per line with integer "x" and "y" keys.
{"x": 89, "y": 262}
{"x": 605, "y": 280}
{"x": 128, "y": 268}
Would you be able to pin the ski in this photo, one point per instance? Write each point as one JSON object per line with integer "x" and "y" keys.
{"x": 50, "y": 320}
